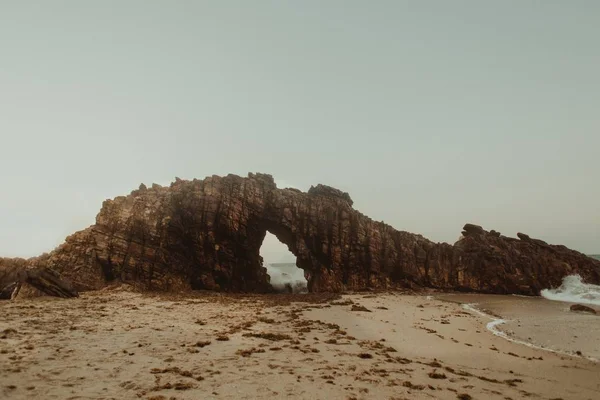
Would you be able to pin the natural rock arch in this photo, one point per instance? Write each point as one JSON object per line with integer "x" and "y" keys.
{"x": 207, "y": 234}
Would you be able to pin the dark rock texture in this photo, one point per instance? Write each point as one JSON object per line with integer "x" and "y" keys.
{"x": 9, "y": 275}
{"x": 18, "y": 277}
{"x": 206, "y": 234}
{"x": 582, "y": 308}
{"x": 6, "y": 292}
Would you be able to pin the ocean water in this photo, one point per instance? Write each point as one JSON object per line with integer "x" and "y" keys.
{"x": 285, "y": 276}
{"x": 574, "y": 290}
{"x": 535, "y": 322}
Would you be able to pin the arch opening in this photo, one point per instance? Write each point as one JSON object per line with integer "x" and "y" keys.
{"x": 284, "y": 275}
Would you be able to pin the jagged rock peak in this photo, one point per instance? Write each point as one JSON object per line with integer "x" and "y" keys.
{"x": 472, "y": 229}
{"x": 328, "y": 191}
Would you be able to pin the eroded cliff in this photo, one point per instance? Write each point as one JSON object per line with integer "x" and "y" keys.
{"x": 206, "y": 234}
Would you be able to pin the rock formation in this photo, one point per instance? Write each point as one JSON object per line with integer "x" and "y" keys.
{"x": 9, "y": 275}
{"x": 17, "y": 279}
{"x": 207, "y": 234}
{"x": 582, "y": 308}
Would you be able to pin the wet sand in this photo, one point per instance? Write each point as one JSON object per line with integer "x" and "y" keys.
{"x": 124, "y": 345}
{"x": 540, "y": 322}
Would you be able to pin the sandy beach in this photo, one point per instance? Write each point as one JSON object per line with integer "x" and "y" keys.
{"x": 118, "y": 344}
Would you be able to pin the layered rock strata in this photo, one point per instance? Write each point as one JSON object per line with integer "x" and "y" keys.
{"x": 207, "y": 234}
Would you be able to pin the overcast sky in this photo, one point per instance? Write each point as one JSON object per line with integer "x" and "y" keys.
{"x": 429, "y": 113}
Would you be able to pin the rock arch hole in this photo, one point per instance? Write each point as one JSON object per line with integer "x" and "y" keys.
{"x": 280, "y": 263}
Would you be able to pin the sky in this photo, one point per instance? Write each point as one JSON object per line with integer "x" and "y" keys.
{"x": 430, "y": 114}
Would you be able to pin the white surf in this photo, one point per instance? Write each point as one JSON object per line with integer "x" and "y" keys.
{"x": 574, "y": 290}
{"x": 285, "y": 277}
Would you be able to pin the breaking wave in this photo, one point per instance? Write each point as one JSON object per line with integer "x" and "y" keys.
{"x": 574, "y": 290}
{"x": 287, "y": 278}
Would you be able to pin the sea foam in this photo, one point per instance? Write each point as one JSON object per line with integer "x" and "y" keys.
{"x": 574, "y": 290}
{"x": 494, "y": 327}
{"x": 286, "y": 276}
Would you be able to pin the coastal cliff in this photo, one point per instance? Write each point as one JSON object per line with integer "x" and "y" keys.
{"x": 207, "y": 234}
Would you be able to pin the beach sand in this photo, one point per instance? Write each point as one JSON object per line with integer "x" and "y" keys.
{"x": 117, "y": 344}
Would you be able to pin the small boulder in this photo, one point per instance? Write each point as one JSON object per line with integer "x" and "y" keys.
{"x": 582, "y": 308}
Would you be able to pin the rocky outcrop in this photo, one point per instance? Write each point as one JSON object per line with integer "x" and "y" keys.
{"x": 9, "y": 275}
{"x": 21, "y": 277}
{"x": 6, "y": 292}
{"x": 502, "y": 264}
{"x": 582, "y": 308}
{"x": 206, "y": 234}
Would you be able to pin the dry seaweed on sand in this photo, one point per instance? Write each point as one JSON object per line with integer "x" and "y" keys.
{"x": 437, "y": 375}
{"x": 249, "y": 352}
{"x": 268, "y": 336}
